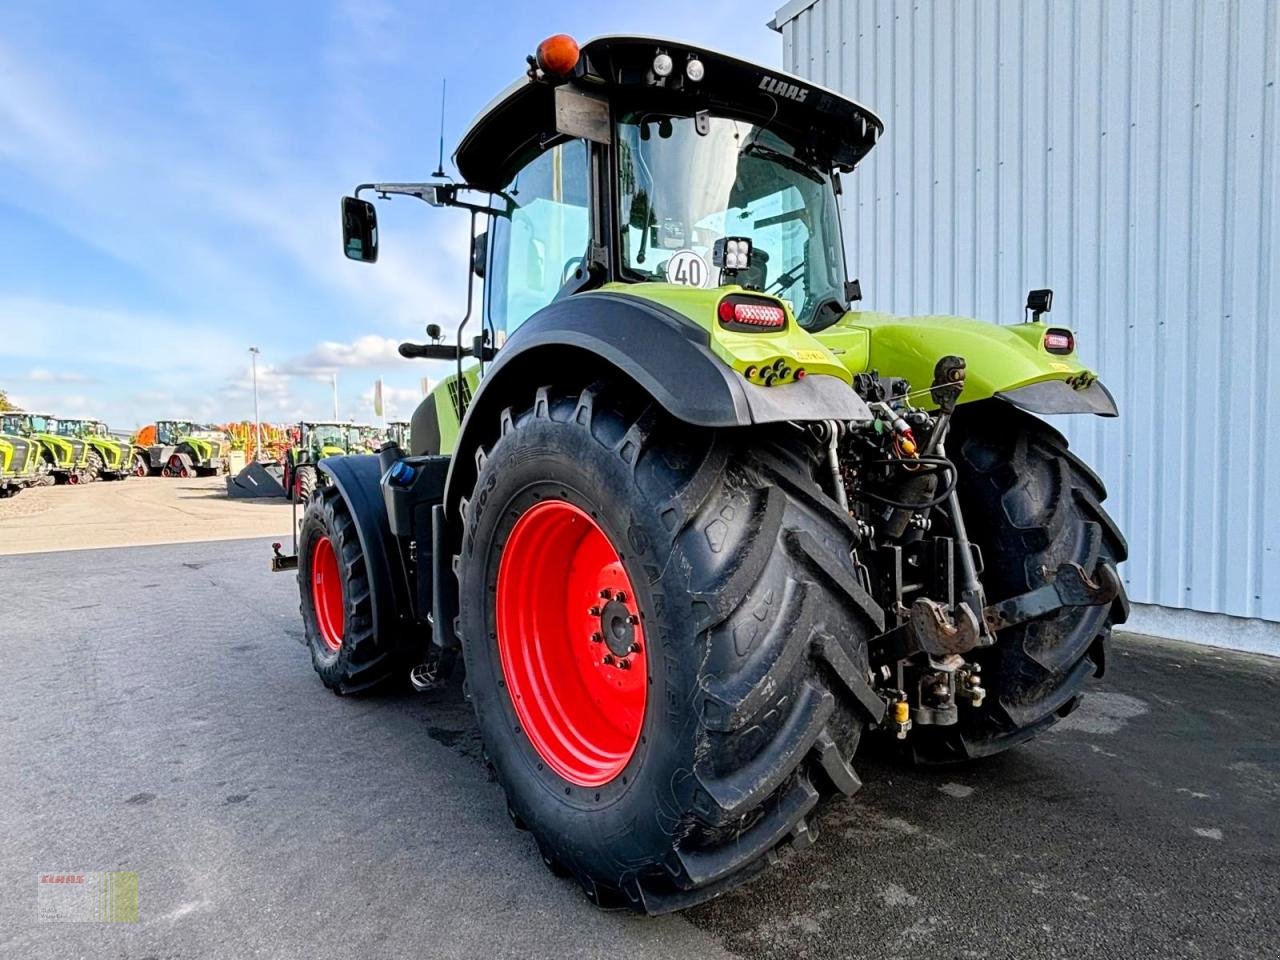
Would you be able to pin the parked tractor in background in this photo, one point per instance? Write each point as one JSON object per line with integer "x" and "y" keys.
{"x": 181, "y": 448}
{"x": 697, "y": 526}
{"x": 397, "y": 432}
{"x": 315, "y": 441}
{"x": 63, "y": 459}
{"x": 109, "y": 458}
{"x": 20, "y": 459}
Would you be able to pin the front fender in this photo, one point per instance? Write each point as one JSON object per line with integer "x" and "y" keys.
{"x": 58, "y": 449}
{"x": 1007, "y": 362}
{"x": 359, "y": 482}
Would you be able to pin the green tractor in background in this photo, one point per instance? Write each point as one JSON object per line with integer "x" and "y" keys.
{"x": 109, "y": 458}
{"x": 698, "y": 527}
{"x": 315, "y": 441}
{"x": 20, "y": 459}
{"x": 63, "y": 459}
{"x": 181, "y": 448}
{"x": 397, "y": 432}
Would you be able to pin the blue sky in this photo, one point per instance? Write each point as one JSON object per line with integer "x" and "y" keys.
{"x": 169, "y": 184}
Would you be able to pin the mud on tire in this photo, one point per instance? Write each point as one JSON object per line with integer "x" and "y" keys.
{"x": 360, "y": 661}
{"x": 1031, "y": 505}
{"x": 756, "y": 628}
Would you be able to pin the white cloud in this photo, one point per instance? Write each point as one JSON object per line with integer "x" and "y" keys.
{"x": 370, "y": 350}
{"x": 43, "y": 375}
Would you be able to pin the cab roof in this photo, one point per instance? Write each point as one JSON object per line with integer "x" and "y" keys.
{"x": 510, "y": 131}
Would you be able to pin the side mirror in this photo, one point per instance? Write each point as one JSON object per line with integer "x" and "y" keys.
{"x": 479, "y": 252}
{"x": 359, "y": 230}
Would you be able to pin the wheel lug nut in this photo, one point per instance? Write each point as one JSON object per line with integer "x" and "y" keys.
{"x": 624, "y": 664}
{"x": 597, "y": 638}
{"x": 635, "y": 648}
{"x": 621, "y": 597}
{"x": 594, "y": 611}
{"x": 605, "y": 594}
{"x": 633, "y": 619}
{"x": 608, "y": 659}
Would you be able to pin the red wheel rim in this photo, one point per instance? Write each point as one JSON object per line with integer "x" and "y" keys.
{"x": 571, "y": 644}
{"x": 326, "y": 593}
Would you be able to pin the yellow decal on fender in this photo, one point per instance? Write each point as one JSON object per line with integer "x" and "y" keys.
{"x": 813, "y": 356}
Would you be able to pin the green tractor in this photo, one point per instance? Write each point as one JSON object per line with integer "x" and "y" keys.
{"x": 316, "y": 440}
{"x": 398, "y": 433}
{"x": 20, "y": 459}
{"x": 109, "y": 458}
{"x": 63, "y": 459}
{"x": 696, "y": 526}
{"x": 180, "y": 448}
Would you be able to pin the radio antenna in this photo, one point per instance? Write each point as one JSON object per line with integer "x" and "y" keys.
{"x": 439, "y": 171}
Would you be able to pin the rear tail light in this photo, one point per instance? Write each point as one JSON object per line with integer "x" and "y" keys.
{"x": 751, "y": 315}
{"x": 1057, "y": 340}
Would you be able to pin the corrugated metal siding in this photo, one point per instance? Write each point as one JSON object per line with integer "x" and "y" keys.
{"x": 1124, "y": 154}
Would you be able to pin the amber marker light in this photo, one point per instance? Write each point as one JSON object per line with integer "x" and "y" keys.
{"x": 558, "y": 55}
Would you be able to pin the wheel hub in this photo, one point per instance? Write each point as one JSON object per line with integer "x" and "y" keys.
{"x": 617, "y": 625}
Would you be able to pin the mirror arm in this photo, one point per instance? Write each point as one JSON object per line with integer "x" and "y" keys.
{"x": 435, "y": 194}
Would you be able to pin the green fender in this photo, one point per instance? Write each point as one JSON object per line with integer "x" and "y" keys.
{"x": 61, "y": 451}
{"x": 1008, "y": 362}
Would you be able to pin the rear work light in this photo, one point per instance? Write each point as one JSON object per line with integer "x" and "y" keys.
{"x": 750, "y": 315}
{"x": 1057, "y": 340}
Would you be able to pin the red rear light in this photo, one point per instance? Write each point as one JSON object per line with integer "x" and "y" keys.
{"x": 751, "y": 315}
{"x": 1059, "y": 341}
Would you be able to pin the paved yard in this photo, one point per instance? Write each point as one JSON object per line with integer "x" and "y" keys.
{"x": 138, "y": 510}
{"x": 160, "y": 716}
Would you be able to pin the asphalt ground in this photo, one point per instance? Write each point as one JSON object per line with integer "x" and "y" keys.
{"x": 159, "y": 715}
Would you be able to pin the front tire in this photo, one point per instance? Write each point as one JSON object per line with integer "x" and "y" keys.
{"x": 750, "y": 630}
{"x": 96, "y": 465}
{"x": 305, "y": 484}
{"x": 1031, "y": 505}
{"x": 336, "y": 605}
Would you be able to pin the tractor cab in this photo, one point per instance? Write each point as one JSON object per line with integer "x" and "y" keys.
{"x": 640, "y": 163}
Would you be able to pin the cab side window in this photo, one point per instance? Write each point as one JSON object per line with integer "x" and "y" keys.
{"x": 539, "y": 241}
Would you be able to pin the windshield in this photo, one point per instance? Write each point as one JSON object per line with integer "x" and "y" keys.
{"x": 68, "y": 428}
{"x": 12, "y": 424}
{"x": 681, "y": 191}
{"x": 44, "y": 424}
{"x": 330, "y": 435}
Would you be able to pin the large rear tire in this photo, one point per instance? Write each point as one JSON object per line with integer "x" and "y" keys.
{"x": 664, "y": 784}
{"x": 337, "y": 607}
{"x": 1031, "y": 505}
{"x": 96, "y": 465}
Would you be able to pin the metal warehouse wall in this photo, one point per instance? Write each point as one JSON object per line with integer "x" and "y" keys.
{"x": 1124, "y": 153}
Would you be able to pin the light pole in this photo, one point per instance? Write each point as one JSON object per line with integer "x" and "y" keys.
{"x": 257, "y": 424}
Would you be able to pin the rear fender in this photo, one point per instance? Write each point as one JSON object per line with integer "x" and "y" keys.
{"x": 590, "y": 336}
{"x": 1007, "y": 362}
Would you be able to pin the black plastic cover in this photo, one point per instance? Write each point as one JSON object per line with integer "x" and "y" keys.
{"x": 1058, "y": 396}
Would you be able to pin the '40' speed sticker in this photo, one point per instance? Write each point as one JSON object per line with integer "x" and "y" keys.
{"x": 688, "y": 268}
